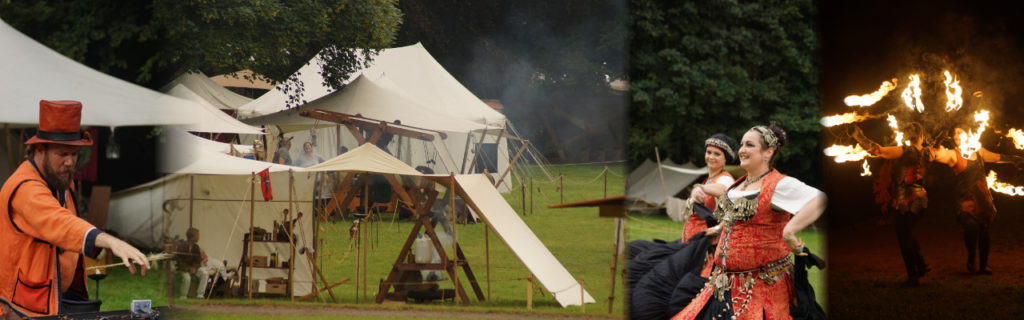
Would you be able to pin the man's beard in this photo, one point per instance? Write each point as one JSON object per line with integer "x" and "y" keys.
{"x": 56, "y": 180}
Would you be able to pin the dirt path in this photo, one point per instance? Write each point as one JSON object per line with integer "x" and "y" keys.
{"x": 273, "y": 310}
{"x": 866, "y": 270}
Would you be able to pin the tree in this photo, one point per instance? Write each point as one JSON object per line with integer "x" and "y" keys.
{"x": 150, "y": 42}
{"x": 703, "y": 67}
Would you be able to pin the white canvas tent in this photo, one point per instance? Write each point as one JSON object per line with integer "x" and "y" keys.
{"x": 209, "y": 91}
{"x": 649, "y": 186}
{"x": 478, "y": 191}
{"x": 210, "y": 118}
{"x": 29, "y": 72}
{"x": 213, "y": 194}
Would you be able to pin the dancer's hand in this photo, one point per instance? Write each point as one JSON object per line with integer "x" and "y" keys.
{"x": 698, "y": 195}
{"x": 795, "y": 244}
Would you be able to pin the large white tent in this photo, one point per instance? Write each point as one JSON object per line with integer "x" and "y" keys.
{"x": 208, "y": 90}
{"x": 29, "y": 72}
{"x": 213, "y": 193}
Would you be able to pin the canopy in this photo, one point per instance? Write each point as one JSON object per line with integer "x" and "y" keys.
{"x": 365, "y": 158}
{"x": 413, "y": 71}
{"x": 29, "y": 72}
{"x": 210, "y": 118}
{"x": 372, "y": 98}
{"x": 649, "y": 184}
{"x": 210, "y": 91}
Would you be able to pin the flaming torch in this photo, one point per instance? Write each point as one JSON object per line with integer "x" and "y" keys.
{"x": 970, "y": 141}
{"x": 954, "y": 94}
{"x": 1018, "y": 137}
{"x": 896, "y": 128}
{"x": 843, "y": 153}
{"x": 912, "y": 94}
{"x": 869, "y": 99}
{"x": 1002, "y": 187}
{"x": 849, "y": 117}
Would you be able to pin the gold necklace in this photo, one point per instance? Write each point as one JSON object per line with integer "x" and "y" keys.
{"x": 749, "y": 181}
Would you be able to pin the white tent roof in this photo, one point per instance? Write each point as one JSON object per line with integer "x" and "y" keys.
{"x": 655, "y": 187}
{"x": 365, "y": 158}
{"x": 211, "y": 119}
{"x": 29, "y": 72}
{"x": 412, "y": 69}
{"x": 372, "y": 98}
{"x": 210, "y": 91}
{"x": 185, "y": 153}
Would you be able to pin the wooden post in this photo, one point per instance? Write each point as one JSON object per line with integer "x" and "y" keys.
{"x": 583, "y": 304}
{"x": 657, "y": 156}
{"x": 605, "y": 173}
{"x": 252, "y": 213}
{"x": 514, "y": 159}
{"x": 522, "y": 189}
{"x": 291, "y": 237}
{"x": 365, "y": 224}
{"x": 359, "y": 237}
{"x": 465, "y": 153}
{"x": 531, "y": 195}
{"x": 529, "y": 293}
{"x": 455, "y": 239}
{"x": 615, "y": 262}
{"x": 561, "y": 188}
{"x": 487, "y": 251}
{"x": 191, "y": 197}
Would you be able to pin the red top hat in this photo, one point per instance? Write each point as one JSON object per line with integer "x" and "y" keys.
{"x": 60, "y": 122}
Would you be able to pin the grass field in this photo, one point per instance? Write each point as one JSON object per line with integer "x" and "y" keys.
{"x": 659, "y": 226}
{"x": 580, "y": 240}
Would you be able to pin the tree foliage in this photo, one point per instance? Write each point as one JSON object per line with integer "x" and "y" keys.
{"x": 152, "y": 41}
{"x": 703, "y": 67}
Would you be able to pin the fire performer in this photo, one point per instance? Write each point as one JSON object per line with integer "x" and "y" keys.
{"x": 905, "y": 194}
{"x": 759, "y": 216}
{"x": 976, "y": 210}
{"x": 42, "y": 239}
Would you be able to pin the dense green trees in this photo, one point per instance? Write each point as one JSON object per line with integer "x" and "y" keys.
{"x": 702, "y": 67}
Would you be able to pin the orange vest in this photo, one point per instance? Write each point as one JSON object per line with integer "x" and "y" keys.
{"x": 41, "y": 243}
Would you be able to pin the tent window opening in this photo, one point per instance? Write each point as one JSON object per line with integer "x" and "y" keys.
{"x": 487, "y": 159}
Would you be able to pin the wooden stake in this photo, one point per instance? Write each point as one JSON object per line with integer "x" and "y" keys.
{"x": 487, "y": 251}
{"x": 252, "y": 212}
{"x": 615, "y": 262}
{"x": 561, "y": 188}
{"x": 529, "y": 293}
{"x": 522, "y": 190}
{"x": 531, "y": 195}
{"x": 605, "y": 173}
{"x": 454, "y": 235}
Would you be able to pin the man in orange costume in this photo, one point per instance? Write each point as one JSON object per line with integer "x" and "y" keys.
{"x": 42, "y": 238}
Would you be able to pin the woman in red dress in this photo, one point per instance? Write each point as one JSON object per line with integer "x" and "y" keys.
{"x": 719, "y": 151}
{"x": 759, "y": 217}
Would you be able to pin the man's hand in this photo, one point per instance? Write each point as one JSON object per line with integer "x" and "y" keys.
{"x": 125, "y": 251}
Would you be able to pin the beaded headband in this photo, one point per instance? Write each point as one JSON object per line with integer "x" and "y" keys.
{"x": 769, "y": 136}
{"x": 721, "y": 144}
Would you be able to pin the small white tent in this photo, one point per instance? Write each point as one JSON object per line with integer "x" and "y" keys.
{"x": 210, "y": 118}
{"x": 209, "y": 91}
{"x": 650, "y": 185}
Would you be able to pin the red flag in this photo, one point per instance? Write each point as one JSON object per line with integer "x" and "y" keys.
{"x": 268, "y": 193}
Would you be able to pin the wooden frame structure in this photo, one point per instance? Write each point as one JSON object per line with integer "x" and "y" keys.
{"x": 418, "y": 199}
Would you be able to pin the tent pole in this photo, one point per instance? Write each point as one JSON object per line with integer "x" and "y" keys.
{"x": 366, "y": 222}
{"x": 476, "y": 152}
{"x": 291, "y": 236}
{"x": 191, "y": 197}
{"x": 252, "y": 212}
{"x": 454, "y": 235}
{"x": 465, "y": 153}
{"x": 487, "y": 250}
{"x": 514, "y": 159}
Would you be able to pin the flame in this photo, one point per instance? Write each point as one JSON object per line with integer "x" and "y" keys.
{"x": 849, "y": 117}
{"x": 896, "y": 128}
{"x": 869, "y": 99}
{"x": 970, "y": 141}
{"x": 1002, "y": 187}
{"x": 1018, "y": 137}
{"x": 954, "y": 94}
{"x": 867, "y": 169}
{"x": 846, "y": 153}
{"x": 912, "y": 94}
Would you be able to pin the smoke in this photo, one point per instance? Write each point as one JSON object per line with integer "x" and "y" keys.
{"x": 549, "y": 67}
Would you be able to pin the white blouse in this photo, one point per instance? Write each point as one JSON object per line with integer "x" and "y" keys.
{"x": 725, "y": 180}
{"x": 790, "y": 194}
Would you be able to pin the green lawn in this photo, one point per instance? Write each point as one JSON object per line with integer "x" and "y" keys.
{"x": 659, "y": 226}
{"x": 580, "y": 240}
